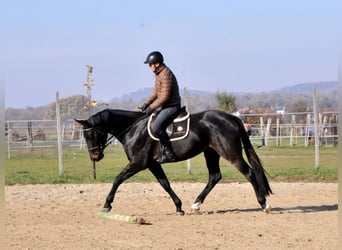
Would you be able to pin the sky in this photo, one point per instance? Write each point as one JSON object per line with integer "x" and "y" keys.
{"x": 232, "y": 46}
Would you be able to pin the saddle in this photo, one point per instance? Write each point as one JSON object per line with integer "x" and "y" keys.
{"x": 177, "y": 130}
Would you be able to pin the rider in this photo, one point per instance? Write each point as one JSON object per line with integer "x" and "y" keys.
{"x": 164, "y": 97}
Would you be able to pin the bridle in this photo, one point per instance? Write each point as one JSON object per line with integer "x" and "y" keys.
{"x": 100, "y": 147}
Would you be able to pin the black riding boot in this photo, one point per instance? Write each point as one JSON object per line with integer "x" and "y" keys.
{"x": 166, "y": 152}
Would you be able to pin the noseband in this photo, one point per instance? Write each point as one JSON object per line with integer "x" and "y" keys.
{"x": 101, "y": 147}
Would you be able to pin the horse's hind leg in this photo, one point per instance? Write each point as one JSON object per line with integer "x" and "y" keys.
{"x": 248, "y": 172}
{"x": 212, "y": 160}
{"x": 159, "y": 173}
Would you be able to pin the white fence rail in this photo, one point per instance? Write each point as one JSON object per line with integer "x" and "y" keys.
{"x": 43, "y": 133}
{"x": 40, "y": 133}
{"x": 297, "y": 131}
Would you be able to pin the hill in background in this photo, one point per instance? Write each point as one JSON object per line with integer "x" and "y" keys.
{"x": 143, "y": 93}
{"x": 306, "y": 88}
{"x": 73, "y": 107}
{"x": 301, "y": 88}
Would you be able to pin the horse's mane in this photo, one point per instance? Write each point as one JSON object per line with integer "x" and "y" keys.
{"x": 107, "y": 114}
{"x": 115, "y": 119}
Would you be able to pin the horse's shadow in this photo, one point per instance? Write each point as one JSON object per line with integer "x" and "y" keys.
{"x": 306, "y": 209}
{"x": 279, "y": 210}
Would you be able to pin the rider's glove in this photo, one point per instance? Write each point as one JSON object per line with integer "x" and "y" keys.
{"x": 144, "y": 107}
{"x": 148, "y": 110}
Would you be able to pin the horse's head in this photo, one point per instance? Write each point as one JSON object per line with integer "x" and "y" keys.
{"x": 95, "y": 138}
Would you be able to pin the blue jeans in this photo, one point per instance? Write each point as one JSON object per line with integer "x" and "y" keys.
{"x": 163, "y": 119}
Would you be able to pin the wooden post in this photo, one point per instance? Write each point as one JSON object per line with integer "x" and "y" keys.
{"x": 322, "y": 129}
{"x": 89, "y": 85}
{"x": 334, "y": 131}
{"x": 277, "y": 133}
{"x": 293, "y": 121}
{"x": 316, "y": 128}
{"x": 72, "y": 132}
{"x": 9, "y": 130}
{"x": 268, "y": 128}
{"x": 29, "y": 135}
{"x": 262, "y": 132}
{"x": 59, "y": 136}
{"x": 307, "y": 130}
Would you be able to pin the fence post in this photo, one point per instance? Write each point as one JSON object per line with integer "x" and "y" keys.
{"x": 59, "y": 136}
{"x": 316, "y": 128}
{"x": 307, "y": 130}
{"x": 8, "y": 140}
{"x": 277, "y": 133}
{"x": 293, "y": 122}
{"x": 262, "y": 131}
{"x": 72, "y": 132}
{"x": 323, "y": 133}
{"x": 267, "y": 133}
{"x": 334, "y": 129}
{"x": 29, "y": 136}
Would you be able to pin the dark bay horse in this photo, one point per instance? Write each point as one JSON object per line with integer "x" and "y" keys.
{"x": 215, "y": 133}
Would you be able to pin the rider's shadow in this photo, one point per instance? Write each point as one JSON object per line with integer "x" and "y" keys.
{"x": 278, "y": 210}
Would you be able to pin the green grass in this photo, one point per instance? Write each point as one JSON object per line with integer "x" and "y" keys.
{"x": 284, "y": 163}
{"x": 298, "y": 163}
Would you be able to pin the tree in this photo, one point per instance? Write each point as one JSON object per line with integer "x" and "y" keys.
{"x": 226, "y": 102}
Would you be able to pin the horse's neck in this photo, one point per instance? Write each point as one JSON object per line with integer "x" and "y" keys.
{"x": 120, "y": 121}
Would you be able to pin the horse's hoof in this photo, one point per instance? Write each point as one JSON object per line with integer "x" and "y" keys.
{"x": 195, "y": 207}
{"x": 267, "y": 209}
{"x": 106, "y": 209}
{"x": 180, "y": 213}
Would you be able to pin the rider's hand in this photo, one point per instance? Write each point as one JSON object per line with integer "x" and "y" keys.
{"x": 143, "y": 107}
{"x": 148, "y": 110}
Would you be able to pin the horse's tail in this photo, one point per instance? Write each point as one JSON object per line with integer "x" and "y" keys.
{"x": 255, "y": 162}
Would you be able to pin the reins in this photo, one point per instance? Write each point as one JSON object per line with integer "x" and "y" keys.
{"x": 102, "y": 147}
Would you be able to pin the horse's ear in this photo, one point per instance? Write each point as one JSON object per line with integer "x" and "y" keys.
{"x": 84, "y": 123}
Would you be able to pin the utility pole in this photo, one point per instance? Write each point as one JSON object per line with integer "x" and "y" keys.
{"x": 90, "y": 103}
{"x": 89, "y": 85}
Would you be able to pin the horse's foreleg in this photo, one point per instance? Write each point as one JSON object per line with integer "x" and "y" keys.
{"x": 212, "y": 161}
{"x": 127, "y": 172}
{"x": 110, "y": 197}
{"x": 159, "y": 173}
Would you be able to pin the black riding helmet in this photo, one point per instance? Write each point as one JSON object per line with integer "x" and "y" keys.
{"x": 154, "y": 57}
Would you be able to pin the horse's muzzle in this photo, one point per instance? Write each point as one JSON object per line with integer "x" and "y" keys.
{"x": 96, "y": 155}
